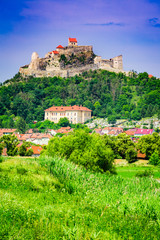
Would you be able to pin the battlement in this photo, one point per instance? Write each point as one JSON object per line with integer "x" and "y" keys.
{"x": 70, "y": 60}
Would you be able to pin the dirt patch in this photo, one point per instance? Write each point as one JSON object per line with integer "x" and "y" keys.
{"x": 124, "y": 162}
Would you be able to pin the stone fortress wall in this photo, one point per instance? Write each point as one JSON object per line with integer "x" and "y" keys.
{"x": 51, "y": 66}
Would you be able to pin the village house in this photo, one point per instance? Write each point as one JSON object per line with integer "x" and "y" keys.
{"x": 75, "y": 114}
{"x": 142, "y": 132}
{"x": 112, "y": 131}
{"x": 36, "y": 150}
{"x": 6, "y": 131}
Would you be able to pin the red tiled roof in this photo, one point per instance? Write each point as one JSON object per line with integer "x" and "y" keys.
{"x": 150, "y": 76}
{"x": 29, "y": 131}
{"x": 7, "y": 130}
{"x": 141, "y": 155}
{"x": 144, "y": 131}
{"x": 60, "y": 46}
{"x": 36, "y": 149}
{"x": 69, "y": 108}
{"x": 55, "y": 52}
{"x": 129, "y": 132}
{"x": 72, "y": 40}
{"x": 64, "y": 130}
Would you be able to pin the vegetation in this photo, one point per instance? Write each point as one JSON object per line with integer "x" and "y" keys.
{"x": 83, "y": 149}
{"x": 24, "y": 151}
{"x": 107, "y": 94}
{"x": 10, "y": 142}
{"x": 154, "y": 159}
{"x": 54, "y": 199}
{"x": 148, "y": 144}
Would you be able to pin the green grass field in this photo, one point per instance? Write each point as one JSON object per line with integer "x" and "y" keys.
{"x": 53, "y": 199}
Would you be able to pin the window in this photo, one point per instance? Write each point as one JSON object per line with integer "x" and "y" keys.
{"x": 74, "y": 114}
{"x": 67, "y": 114}
{"x": 47, "y": 115}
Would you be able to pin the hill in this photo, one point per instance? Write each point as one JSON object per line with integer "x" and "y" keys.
{"x": 107, "y": 94}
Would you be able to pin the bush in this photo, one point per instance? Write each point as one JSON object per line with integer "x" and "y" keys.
{"x": 146, "y": 173}
{"x": 154, "y": 159}
{"x": 131, "y": 155}
{"x": 83, "y": 149}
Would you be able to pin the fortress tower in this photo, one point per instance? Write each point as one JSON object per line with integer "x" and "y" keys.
{"x": 72, "y": 42}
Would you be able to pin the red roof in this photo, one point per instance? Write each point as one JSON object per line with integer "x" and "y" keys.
{"x": 144, "y": 131}
{"x": 130, "y": 132}
{"x": 36, "y": 149}
{"x": 150, "y": 76}
{"x": 60, "y": 46}
{"x": 7, "y": 130}
{"x": 69, "y": 108}
{"x": 72, "y": 40}
{"x": 55, "y": 52}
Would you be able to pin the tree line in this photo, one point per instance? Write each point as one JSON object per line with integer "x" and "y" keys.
{"x": 107, "y": 94}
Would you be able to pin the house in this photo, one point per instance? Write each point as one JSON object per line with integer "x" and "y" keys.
{"x": 59, "y": 47}
{"x": 36, "y": 150}
{"x": 112, "y": 131}
{"x": 39, "y": 138}
{"x": 141, "y": 132}
{"x": 98, "y": 130}
{"x": 131, "y": 131}
{"x": 52, "y": 132}
{"x": 64, "y": 130}
{"x": 75, "y": 114}
{"x": 6, "y": 131}
{"x": 72, "y": 42}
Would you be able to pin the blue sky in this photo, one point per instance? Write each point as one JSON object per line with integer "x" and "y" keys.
{"x": 127, "y": 27}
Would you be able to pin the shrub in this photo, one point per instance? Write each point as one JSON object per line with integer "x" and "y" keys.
{"x": 146, "y": 173}
{"x": 154, "y": 159}
{"x": 131, "y": 155}
{"x": 83, "y": 149}
{"x": 29, "y": 152}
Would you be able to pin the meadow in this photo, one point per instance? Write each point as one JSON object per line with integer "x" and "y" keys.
{"x": 50, "y": 198}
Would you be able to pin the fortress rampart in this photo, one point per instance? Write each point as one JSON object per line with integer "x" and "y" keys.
{"x": 69, "y": 61}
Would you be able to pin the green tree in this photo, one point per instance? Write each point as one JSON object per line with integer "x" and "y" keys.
{"x": 154, "y": 158}
{"x": 122, "y": 144}
{"x": 64, "y": 122}
{"x": 1, "y": 148}
{"x": 112, "y": 119}
{"x": 83, "y": 149}
{"x": 11, "y": 142}
{"x": 148, "y": 144}
{"x": 131, "y": 154}
{"x": 21, "y": 125}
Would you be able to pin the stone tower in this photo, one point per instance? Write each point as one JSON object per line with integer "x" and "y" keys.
{"x": 118, "y": 62}
{"x": 34, "y": 65}
{"x": 72, "y": 42}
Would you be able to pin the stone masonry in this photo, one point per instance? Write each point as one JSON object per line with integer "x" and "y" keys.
{"x": 69, "y": 61}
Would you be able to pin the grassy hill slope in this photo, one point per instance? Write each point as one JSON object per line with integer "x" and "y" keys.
{"x": 53, "y": 199}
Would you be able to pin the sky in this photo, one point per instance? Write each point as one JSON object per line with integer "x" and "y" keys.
{"x": 112, "y": 27}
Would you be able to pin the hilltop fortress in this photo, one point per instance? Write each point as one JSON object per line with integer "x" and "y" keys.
{"x": 69, "y": 61}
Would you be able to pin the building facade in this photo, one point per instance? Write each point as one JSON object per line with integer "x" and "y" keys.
{"x": 75, "y": 114}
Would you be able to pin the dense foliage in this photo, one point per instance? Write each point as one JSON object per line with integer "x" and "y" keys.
{"x": 10, "y": 142}
{"x": 92, "y": 151}
{"x": 106, "y": 93}
{"x": 54, "y": 199}
{"x": 83, "y": 149}
{"x": 148, "y": 144}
